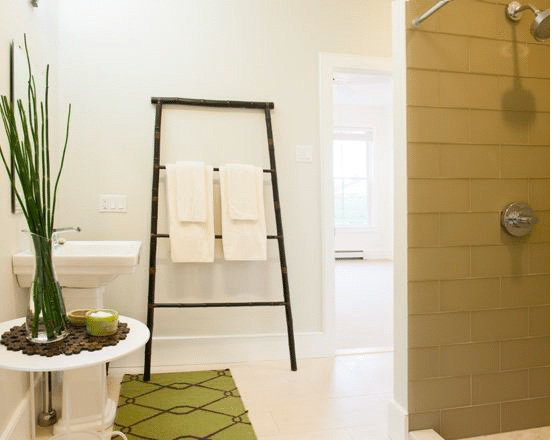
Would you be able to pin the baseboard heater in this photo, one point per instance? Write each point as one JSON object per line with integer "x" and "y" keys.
{"x": 349, "y": 255}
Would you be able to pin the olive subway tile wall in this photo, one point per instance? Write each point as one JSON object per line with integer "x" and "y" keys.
{"x": 478, "y": 127}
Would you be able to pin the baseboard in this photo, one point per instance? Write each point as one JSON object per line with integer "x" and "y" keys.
{"x": 19, "y": 424}
{"x": 182, "y": 350}
{"x": 397, "y": 421}
{"x": 349, "y": 255}
{"x": 368, "y": 350}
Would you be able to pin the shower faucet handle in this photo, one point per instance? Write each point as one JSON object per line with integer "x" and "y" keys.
{"x": 531, "y": 220}
{"x": 518, "y": 219}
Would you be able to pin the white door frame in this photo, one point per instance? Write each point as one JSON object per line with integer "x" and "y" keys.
{"x": 398, "y": 406}
{"x": 331, "y": 63}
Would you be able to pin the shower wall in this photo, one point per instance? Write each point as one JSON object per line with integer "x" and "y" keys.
{"x": 478, "y": 121}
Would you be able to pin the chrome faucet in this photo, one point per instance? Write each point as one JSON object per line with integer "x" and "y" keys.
{"x": 71, "y": 228}
{"x": 57, "y": 240}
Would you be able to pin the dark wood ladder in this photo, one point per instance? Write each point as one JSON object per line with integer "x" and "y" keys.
{"x": 152, "y": 305}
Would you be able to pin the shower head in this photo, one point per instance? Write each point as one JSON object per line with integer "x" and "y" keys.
{"x": 540, "y": 29}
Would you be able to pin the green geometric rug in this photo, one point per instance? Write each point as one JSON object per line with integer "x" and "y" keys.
{"x": 198, "y": 405}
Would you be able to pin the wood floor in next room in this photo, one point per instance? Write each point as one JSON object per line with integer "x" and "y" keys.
{"x": 364, "y": 305}
{"x": 337, "y": 398}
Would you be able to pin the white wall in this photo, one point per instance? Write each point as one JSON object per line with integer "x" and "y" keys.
{"x": 117, "y": 55}
{"x": 40, "y": 24}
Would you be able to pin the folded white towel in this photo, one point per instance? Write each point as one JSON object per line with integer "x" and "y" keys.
{"x": 191, "y": 197}
{"x": 242, "y": 191}
{"x": 243, "y": 239}
{"x": 190, "y": 241}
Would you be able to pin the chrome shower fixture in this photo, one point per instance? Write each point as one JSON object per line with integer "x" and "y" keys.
{"x": 540, "y": 28}
{"x": 416, "y": 22}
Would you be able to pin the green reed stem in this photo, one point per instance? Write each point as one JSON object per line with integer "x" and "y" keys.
{"x": 28, "y": 137}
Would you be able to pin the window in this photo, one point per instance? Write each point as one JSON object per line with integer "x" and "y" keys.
{"x": 353, "y": 176}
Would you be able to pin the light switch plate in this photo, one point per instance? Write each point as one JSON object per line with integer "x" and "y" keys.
{"x": 303, "y": 153}
{"x": 112, "y": 203}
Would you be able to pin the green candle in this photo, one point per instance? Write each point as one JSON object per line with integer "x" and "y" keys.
{"x": 102, "y": 322}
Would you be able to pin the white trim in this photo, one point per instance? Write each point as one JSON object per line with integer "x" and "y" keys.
{"x": 328, "y": 64}
{"x": 400, "y": 244}
{"x": 230, "y": 337}
{"x": 19, "y": 424}
{"x": 370, "y": 350}
{"x": 397, "y": 421}
{"x": 168, "y": 350}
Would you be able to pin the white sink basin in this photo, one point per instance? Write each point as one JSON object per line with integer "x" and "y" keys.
{"x": 83, "y": 264}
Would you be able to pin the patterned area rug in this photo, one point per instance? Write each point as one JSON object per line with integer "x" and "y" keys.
{"x": 201, "y": 405}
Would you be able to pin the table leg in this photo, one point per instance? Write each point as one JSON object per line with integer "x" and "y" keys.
{"x": 32, "y": 403}
{"x": 103, "y": 397}
{"x": 66, "y": 407}
{"x": 66, "y": 416}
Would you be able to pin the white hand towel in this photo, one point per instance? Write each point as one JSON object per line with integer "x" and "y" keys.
{"x": 191, "y": 197}
{"x": 190, "y": 241}
{"x": 242, "y": 191}
{"x": 243, "y": 239}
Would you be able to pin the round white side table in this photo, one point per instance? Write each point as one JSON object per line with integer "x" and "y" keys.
{"x": 17, "y": 361}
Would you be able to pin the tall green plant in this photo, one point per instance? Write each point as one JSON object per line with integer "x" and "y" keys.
{"x": 28, "y": 136}
{"x": 29, "y": 144}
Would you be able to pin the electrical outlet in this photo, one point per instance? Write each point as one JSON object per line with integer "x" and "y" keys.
{"x": 112, "y": 203}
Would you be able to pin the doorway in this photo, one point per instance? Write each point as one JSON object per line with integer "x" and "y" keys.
{"x": 357, "y": 198}
{"x": 362, "y": 177}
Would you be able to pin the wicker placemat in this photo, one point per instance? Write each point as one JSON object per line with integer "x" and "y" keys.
{"x": 77, "y": 341}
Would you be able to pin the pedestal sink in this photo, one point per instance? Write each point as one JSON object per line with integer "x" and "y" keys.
{"x": 83, "y": 269}
{"x": 83, "y": 264}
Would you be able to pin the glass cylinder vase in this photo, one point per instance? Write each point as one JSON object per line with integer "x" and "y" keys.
{"x": 46, "y": 319}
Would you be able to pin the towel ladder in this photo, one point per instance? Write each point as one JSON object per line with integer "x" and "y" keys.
{"x": 154, "y": 235}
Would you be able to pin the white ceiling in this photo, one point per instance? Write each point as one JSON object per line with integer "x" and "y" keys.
{"x": 372, "y": 90}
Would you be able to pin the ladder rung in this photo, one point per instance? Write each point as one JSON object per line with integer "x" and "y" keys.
{"x": 212, "y": 103}
{"x": 270, "y": 237}
{"x": 265, "y": 170}
{"x": 226, "y": 304}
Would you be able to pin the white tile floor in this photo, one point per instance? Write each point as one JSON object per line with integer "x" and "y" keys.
{"x": 339, "y": 398}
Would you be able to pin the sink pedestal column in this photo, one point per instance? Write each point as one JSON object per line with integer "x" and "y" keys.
{"x": 85, "y": 384}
